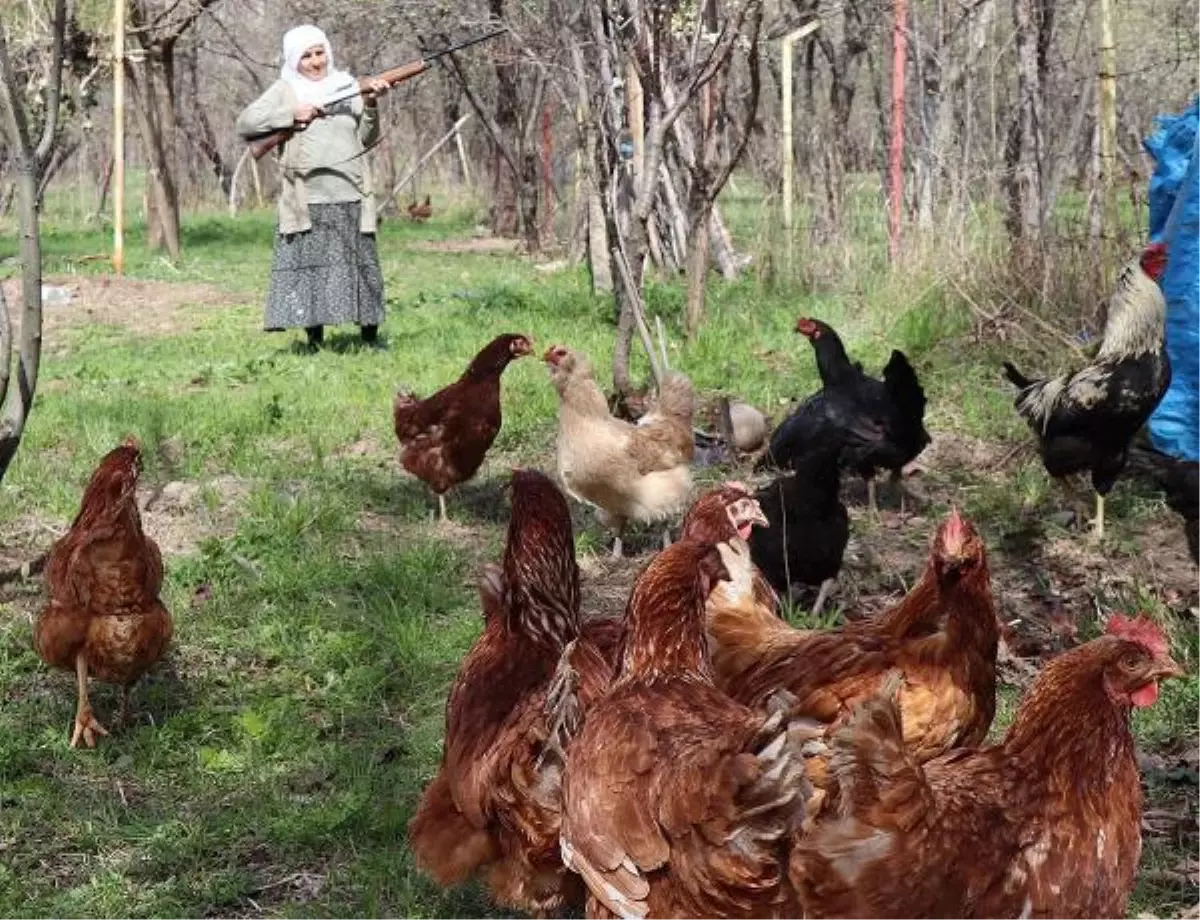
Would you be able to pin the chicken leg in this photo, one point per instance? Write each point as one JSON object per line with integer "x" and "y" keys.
{"x": 1098, "y": 523}
{"x": 86, "y": 726}
{"x": 442, "y": 509}
{"x": 872, "y": 503}
{"x": 826, "y": 589}
{"x": 123, "y": 712}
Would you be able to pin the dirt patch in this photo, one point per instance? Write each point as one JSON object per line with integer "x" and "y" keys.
{"x": 146, "y": 307}
{"x": 606, "y": 583}
{"x": 180, "y": 515}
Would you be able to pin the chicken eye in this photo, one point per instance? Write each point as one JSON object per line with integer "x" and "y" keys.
{"x": 1131, "y": 662}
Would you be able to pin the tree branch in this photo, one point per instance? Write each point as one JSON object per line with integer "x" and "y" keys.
{"x": 15, "y": 125}
{"x": 731, "y": 29}
{"x": 46, "y": 144}
{"x": 752, "y": 65}
{"x": 485, "y": 116}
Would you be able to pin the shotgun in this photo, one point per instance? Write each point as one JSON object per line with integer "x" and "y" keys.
{"x": 262, "y": 144}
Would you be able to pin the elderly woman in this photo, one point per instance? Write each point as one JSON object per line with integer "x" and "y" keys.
{"x": 326, "y": 269}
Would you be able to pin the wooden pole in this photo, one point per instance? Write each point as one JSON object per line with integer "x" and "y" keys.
{"x": 896, "y": 141}
{"x": 118, "y": 257}
{"x": 789, "y": 155}
{"x": 1107, "y": 76}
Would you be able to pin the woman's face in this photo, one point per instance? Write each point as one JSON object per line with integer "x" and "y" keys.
{"x": 313, "y": 63}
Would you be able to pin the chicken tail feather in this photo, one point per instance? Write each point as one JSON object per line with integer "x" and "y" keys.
{"x": 875, "y": 774}
{"x": 447, "y": 846}
{"x": 1015, "y": 377}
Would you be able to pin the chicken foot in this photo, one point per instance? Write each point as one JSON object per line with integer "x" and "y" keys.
{"x": 86, "y": 726}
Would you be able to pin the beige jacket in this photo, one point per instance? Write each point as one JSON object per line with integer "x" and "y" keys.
{"x": 336, "y": 141}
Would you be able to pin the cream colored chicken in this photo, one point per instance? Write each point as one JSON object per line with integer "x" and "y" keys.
{"x": 628, "y": 472}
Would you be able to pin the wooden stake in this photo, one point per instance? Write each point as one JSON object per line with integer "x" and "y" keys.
{"x": 118, "y": 257}
{"x": 896, "y": 141}
{"x": 1108, "y": 140}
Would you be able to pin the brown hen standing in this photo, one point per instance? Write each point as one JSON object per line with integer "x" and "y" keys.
{"x": 943, "y": 636}
{"x": 105, "y": 618}
{"x": 1047, "y": 823}
{"x": 678, "y": 801}
{"x": 494, "y": 806}
{"x": 445, "y": 437}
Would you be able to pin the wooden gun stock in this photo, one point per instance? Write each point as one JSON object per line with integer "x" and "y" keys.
{"x": 263, "y": 144}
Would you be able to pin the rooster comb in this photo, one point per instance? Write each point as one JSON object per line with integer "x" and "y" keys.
{"x": 1140, "y": 629}
{"x": 954, "y": 532}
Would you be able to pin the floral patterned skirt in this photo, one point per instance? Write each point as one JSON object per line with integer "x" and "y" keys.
{"x": 327, "y": 275}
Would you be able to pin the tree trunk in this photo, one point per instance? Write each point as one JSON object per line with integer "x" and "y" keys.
{"x": 30, "y": 161}
{"x": 154, "y": 104}
{"x": 1025, "y": 148}
{"x": 697, "y": 262}
{"x": 17, "y": 403}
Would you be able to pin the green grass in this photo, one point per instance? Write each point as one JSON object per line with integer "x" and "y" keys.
{"x": 277, "y": 754}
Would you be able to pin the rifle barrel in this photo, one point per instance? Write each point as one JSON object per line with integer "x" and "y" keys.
{"x": 260, "y": 145}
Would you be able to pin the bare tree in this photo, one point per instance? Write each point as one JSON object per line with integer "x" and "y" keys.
{"x": 511, "y": 127}
{"x": 31, "y": 161}
{"x": 1025, "y": 152}
{"x": 642, "y": 37}
{"x": 707, "y": 168}
{"x": 158, "y": 28}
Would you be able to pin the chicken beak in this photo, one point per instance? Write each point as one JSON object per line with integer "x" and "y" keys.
{"x": 757, "y": 518}
{"x": 746, "y": 515}
{"x": 549, "y": 356}
{"x": 1166, "y": 667}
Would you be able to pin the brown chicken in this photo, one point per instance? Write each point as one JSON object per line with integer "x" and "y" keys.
{"x": 1047, "y": 823}
{"x": 494, "y": 807}
{"x": 678, "y": 801}
{"x": 420, "y": 212}
{"x": 445, "y": 437}
{"x": 720, "y": 515}
{"x": 943, "y": 636}
{"x": 105, "y": 618}
{"x": 629, "y": 472}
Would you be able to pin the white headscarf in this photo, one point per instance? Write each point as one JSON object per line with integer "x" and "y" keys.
{"x": 314, "y": 92}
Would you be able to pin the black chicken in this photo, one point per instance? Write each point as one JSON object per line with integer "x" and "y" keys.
{"x": 808, "y": 525}
{"x": 1086, "y": 419}
{"x": 1179, "y": 481}
{"x": 880, "y": 422}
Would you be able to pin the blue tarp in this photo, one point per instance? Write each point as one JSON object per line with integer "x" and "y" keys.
{"x": 1175, "y": 220}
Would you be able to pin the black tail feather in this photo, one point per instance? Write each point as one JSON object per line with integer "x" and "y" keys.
{"x": 1019, "y": 380}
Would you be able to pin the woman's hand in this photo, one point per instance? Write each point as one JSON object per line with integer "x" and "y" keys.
{"x": 304, "y": 113}
{"x": 373, "y": 88}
